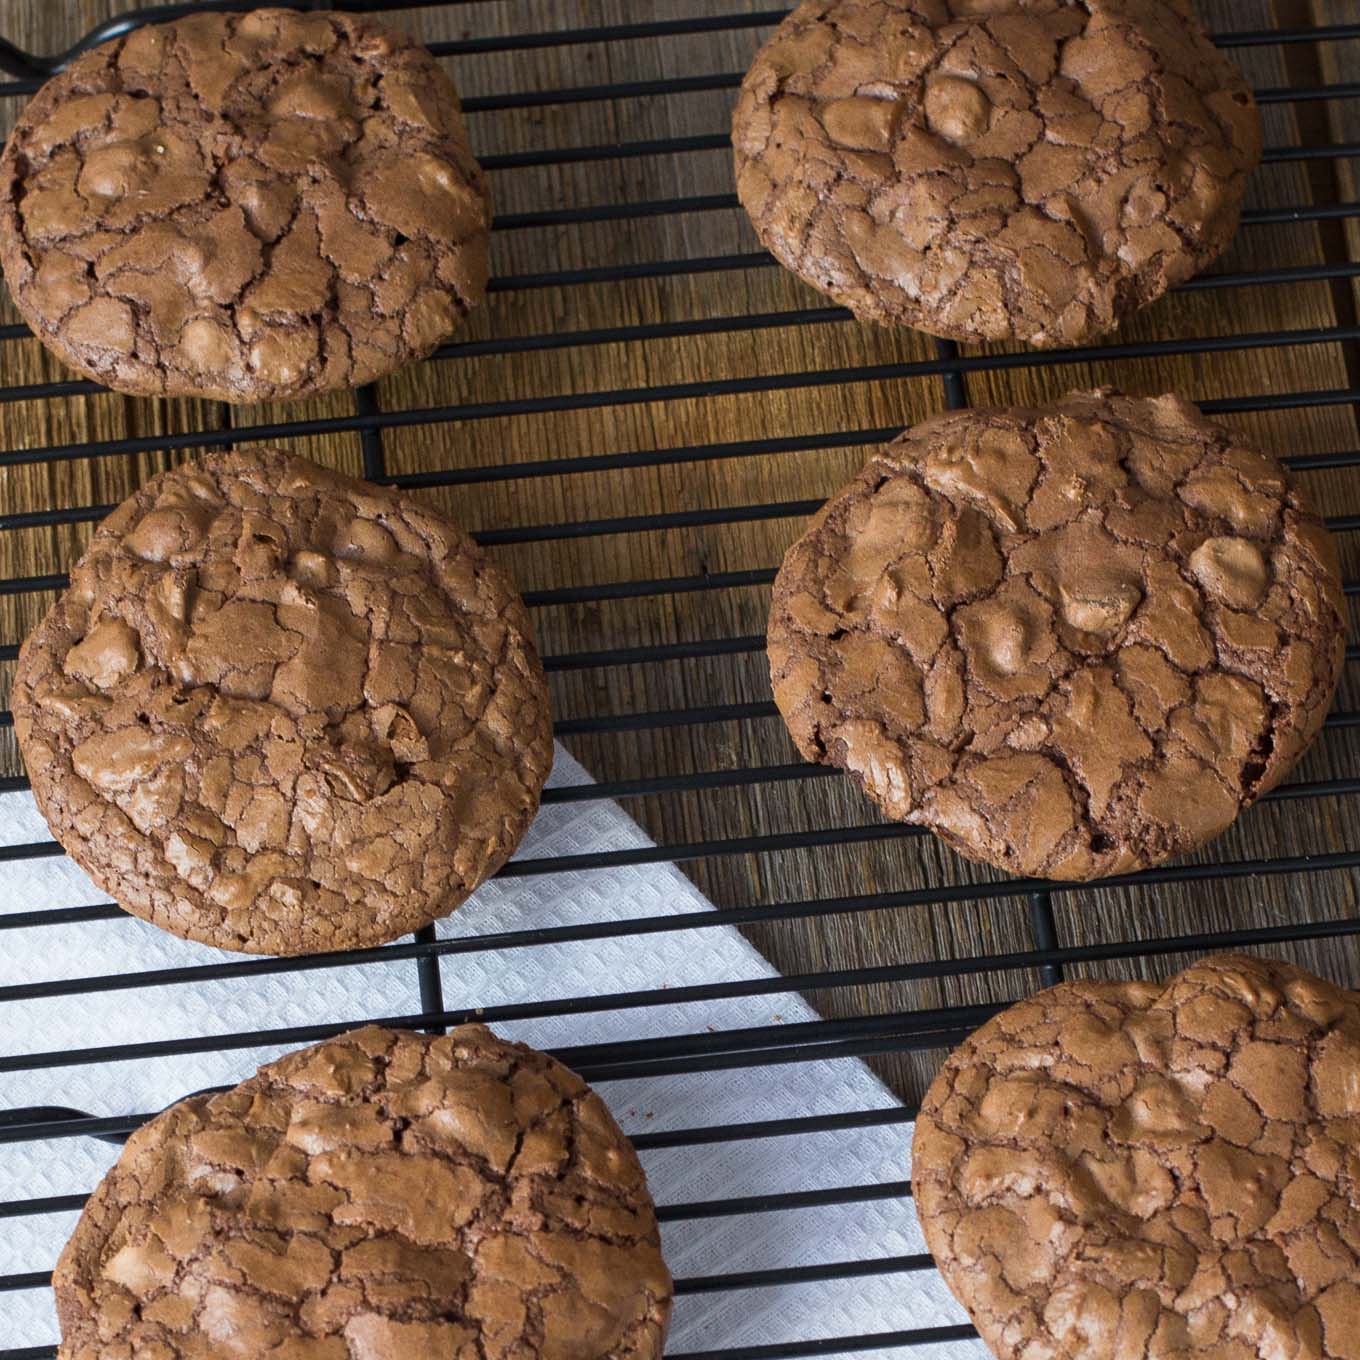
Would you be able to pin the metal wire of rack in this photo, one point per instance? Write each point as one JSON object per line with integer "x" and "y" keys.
{"x": 1051, "y": 951}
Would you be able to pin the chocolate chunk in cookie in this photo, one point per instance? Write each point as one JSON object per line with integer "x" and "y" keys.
{"x": 1072, "y": 641}
{"x": 244, "y": 206}
{"x": 1125, "y": 1169}
{"x": 380, "y": 1196}
{"x": 1025, "y": 171}
{"x": 282, "y": 711}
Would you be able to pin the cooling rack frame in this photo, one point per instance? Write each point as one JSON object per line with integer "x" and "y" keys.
{"x": 864, "y": 1035}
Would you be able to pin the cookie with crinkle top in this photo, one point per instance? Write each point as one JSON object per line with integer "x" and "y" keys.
{"x": 1134, "y": 1169}
{"x": 379, "y": 1196}
{"x": 1031, "y": 170}
{"x": 1072, "y": 641}
{"x": 283, "y": 711}
{"x": 244, "y": 206}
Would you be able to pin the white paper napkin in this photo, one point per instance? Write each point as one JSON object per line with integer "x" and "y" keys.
{"x": 707, "y": 1246}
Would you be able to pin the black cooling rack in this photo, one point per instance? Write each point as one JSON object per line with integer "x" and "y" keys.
{"x": 862, "y": 1035}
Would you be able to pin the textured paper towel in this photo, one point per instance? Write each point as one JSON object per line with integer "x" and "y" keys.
{"x": 702, "y": 1247}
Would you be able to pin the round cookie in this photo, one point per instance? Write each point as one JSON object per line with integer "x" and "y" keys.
{"x": 245, "y": 207}
{"x": 1033, "y": 170}
{"x": 380, "y": 1196}
{"x": 282, "y": 711}
{"x": 1071, "y": 641}
{"x": 1127, "y": 1169}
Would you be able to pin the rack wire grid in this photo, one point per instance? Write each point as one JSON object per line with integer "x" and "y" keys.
{"x": 637, "y": 422}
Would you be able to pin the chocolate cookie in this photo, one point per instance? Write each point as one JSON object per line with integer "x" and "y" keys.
{"x": 1071, "y": 641}
{"x": 1023, "y": 171}
{"x": 380, "y": 1196}
{"x": 245, "y": 207}
{"x": 1123, "y": 1169}
{"x": 282, "y": 711}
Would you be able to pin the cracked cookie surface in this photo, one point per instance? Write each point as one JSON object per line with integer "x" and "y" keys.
{"x": 1072, "y": 641}
{"x": 380, "y": 1196}
{"x": 282, "y": 711}
{"x": 1153, "y": 1172}
{"x": 1025, "y": 170}
{"x": 244, "y": 206}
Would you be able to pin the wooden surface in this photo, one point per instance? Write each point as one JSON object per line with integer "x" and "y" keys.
{"x": 962, "y": 930}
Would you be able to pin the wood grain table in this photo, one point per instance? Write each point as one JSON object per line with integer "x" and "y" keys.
{"x": 583, "y": 400}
